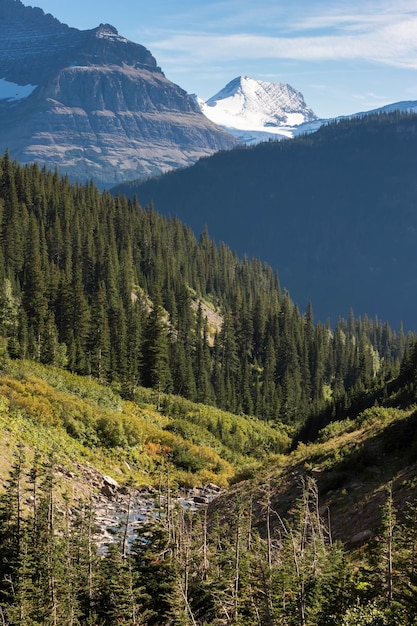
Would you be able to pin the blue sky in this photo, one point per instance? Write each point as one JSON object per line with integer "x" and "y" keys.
{"x": 344, "y": 57}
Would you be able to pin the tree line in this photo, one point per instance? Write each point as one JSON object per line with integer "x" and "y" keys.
{"x": 106, "y": 288}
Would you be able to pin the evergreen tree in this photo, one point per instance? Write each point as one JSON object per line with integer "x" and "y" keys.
{"x": 34, "y": 287}
{"x": 11, "y": 531}
{"x": 204, "y": 391}
{"x": 313, "y": 569}
{"x": 153, "y": 564}
{"x": 119, "y": 599}
{"x": 155, "y": 371}
{"x": 99, "y": 345}
{"x": 14, "y": 217}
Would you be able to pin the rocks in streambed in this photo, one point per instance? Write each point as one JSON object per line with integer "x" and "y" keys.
{"x": 110, "y": 487}
{"x": 202, "y": 495}
{"x": 119, "y": 506}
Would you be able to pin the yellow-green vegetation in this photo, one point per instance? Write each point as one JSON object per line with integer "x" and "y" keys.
{"x": 45, "y": 407}
{"x": 326, "y": 531}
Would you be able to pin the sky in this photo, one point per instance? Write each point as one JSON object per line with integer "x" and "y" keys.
{"x": 343, "y": 56}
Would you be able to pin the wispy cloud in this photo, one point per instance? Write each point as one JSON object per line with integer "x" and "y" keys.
{"x": 357, "y": 16}
{"x": 397, "y": 47}
{"x": 377, "y": 34}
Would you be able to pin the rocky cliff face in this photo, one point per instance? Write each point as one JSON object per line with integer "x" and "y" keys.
{"x": 100, "y": 106}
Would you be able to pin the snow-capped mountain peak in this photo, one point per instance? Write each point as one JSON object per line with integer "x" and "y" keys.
{"x": 255, "y": 106}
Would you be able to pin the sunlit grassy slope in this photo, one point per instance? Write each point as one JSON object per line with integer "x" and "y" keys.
{"x": 88, "y": 424}
{"x": 84, "y": 422}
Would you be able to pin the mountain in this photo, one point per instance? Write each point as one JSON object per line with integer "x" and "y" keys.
{"x": 93, "y": 103}
{"x": 333, "y": 212}
{"x": 100, "y": 286}
{"x": 354, "y": 462}
{"x": 404, "y": 106}
{"x": 255, "y": 110}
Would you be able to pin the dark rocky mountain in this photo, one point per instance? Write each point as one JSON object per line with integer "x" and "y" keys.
{"x": 334, "y": 212}
{"x": 99, "y": 106}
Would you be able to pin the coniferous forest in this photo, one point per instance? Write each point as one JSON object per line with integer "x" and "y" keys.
{"x": 112, "y": 291}
{"x": 108, "y": 289}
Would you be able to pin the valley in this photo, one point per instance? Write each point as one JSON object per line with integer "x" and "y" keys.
{"x": 208, "y": 348}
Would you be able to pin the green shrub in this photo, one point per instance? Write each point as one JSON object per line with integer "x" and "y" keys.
{"x": 186, "y": 459}
{"x": 335, "y": 428}
{"x": 111, "y": 432}
{"x": 372, "y": 614}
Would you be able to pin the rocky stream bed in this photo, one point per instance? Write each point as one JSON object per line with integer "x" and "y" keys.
{"x": 115, "y": 505}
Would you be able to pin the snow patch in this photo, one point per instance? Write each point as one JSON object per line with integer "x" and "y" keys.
{"x": 106, "y": 31}
{"x": 12, "y": 91}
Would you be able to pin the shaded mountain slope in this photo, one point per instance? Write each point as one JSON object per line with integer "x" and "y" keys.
{"x": 106, "y": 288}
{"x": 333, "y": 212}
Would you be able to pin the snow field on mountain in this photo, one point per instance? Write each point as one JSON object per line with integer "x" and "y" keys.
{"x": 262, "y": 110}
{"x": 12, "y": 91}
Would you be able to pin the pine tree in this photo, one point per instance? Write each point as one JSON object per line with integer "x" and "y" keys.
{"x": 153, "y": 564}
{"x": 14, "y": 217}
{"x": 99, "y": 345}
{"x": 228, "y": 362}
{"x": 78, "y": 312}
{"x": 119, "y": 599}
{"x": 134, "y": 350}
{"x": 11, "y": 530}
{"x": 267, "y": 404}
{"x": 406, "y": 560}
{"x": 204, "y": 392}
{"x": 312, "y": 566}
{"x": 155, "y": 371}
{"x": 34, "y": 288}
{"x": 9, "y": 310}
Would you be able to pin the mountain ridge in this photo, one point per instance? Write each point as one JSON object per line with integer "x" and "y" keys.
{"x": 253, "y": 110}
{"x": 331, "y": 211}
{"x": 100, "y": 106}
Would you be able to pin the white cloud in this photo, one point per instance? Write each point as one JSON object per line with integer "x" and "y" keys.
{"x": 394, "y": 45}
{"x": 369, "y": 32}
{"x": 400, "y": 51}
{"x": 359, "y": 17}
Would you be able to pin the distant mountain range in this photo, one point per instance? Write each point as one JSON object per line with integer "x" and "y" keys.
{"x": 333, "y": 211}
{"x": 254, "y": 110}
{"x": 93, "y": 103}
{"x": 98, "y": 107}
